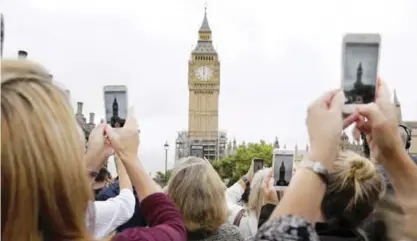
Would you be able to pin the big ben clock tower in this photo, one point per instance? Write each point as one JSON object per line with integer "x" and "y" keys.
{"x": 203, "y": 86}
{"x": 203, "y": 136}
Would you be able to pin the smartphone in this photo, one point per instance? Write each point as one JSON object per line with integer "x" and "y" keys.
{"x": 282, "y": 165}
{"x": 258, "y": 164}
{"x": 360, "y": 58}
{"x": 115, "y": 105}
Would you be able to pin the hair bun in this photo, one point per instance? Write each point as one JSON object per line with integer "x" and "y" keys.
{"x": 361, "y": 168}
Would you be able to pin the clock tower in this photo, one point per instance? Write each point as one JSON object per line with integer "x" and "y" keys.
{"x": 204, "y": 87}
{"x": 203, "y": 137}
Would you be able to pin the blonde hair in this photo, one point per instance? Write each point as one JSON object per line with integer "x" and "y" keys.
{"x": 199, "y": 193}
{"x": 45, "y": 189}
{"x": 354, "y": 188}
{"x": 256, "y": 196}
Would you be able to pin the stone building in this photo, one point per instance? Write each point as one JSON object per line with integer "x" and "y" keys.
{"x": 87, "y": 127}
{"x": 346, "y": 144}
{"x": 203, "y": 137}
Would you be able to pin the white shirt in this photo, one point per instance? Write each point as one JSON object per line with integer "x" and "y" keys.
{"x": 249, "y": 223}
{"x": 113, "y": 212}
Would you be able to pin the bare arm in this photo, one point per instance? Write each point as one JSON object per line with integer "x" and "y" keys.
{"x": 94, "y": 164}
{"x": 303, "y": 197}
{"x": 305, "y": 193}
{"x": 403, "y": 175}
{"x": 124, "y": 180}
{"x": 141, "y": 180}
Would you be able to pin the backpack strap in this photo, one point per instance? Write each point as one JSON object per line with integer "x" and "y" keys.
{"x": 239, "y": 217}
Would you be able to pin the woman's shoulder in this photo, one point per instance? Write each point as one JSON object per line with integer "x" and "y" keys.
{"x": 229, "y": 232}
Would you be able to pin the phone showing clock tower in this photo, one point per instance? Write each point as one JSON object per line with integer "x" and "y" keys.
{"x": 204, "y": 87}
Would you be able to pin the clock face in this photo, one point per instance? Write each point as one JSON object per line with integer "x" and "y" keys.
{"x": 203, "y": 73}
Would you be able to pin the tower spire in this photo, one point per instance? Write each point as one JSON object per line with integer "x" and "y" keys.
{"x": 205, "y": 27}
{"x": 204, "y": 44}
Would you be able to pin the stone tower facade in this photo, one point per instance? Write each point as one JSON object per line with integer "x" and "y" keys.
{"x": 204, "y": 87}
{"x": 203, "y": 138}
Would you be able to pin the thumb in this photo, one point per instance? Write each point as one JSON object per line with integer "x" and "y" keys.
{"x": 338, "y": 101}
{"x": 382, "y": 91}
{"x": 113, "y": 137}
{"x": 131, "y": 121}
{"x": 271, "y": 183}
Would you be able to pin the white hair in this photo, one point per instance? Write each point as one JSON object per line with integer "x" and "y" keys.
{"x": 256, "y": 196}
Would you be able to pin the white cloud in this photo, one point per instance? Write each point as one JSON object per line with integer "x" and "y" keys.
{"x": 275, "y": 57}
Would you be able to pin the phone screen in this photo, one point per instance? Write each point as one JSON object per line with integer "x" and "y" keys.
{"x": 115, "y": 104}
{"x": 283, "y": 169}
{"x": 258, "y": 164}
{"x": 360, "y": 72}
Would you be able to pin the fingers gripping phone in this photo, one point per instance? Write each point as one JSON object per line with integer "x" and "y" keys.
{"x": 115, "y": 105}
{"x": 360, "y": 58}
{"x": 258, "y": 164}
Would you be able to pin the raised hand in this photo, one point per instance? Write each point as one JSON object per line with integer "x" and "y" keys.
{"x": 249, "y": 175}
{"x": 270, "y": 194}
{"x": 379, "y": 123}
{"x": 125, "y": 140}
{"x": 325, "y": 124}
{"x": 98, "y": 147}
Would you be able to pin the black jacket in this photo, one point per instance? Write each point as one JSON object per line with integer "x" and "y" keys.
{"x": 329, "y": 233}
{"x": 137, "y": 219}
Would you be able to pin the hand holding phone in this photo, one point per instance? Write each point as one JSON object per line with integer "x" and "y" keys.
{"x": 258, "y": 164}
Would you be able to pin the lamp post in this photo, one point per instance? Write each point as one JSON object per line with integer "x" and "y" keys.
{"x": 166, "y": 146}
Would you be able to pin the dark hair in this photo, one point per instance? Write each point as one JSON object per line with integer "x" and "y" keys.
{"x": 266, "y": 212}
{"x": 103, "y": 174}
{"x": 365, "y": 146}
{"x": 245, "y": 195}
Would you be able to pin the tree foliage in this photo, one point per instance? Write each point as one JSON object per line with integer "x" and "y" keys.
{"x": 233, "y": 167}
{"x": 161, "y": 179}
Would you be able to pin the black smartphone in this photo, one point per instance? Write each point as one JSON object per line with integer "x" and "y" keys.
{"x": 258, "y": 164}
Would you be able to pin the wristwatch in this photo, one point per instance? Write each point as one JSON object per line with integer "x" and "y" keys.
{"x": 246, "y": 181}
{"x": 317, "y": 168}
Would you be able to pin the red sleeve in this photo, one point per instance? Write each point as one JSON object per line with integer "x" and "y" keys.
{"x": 164, "y": 219}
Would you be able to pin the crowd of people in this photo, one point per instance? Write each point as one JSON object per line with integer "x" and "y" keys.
{"x": 54, "y": 188}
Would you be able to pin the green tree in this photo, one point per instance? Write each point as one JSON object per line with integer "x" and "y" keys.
{"x": 233, "y": 167}
{"x": 161, "y": 179}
